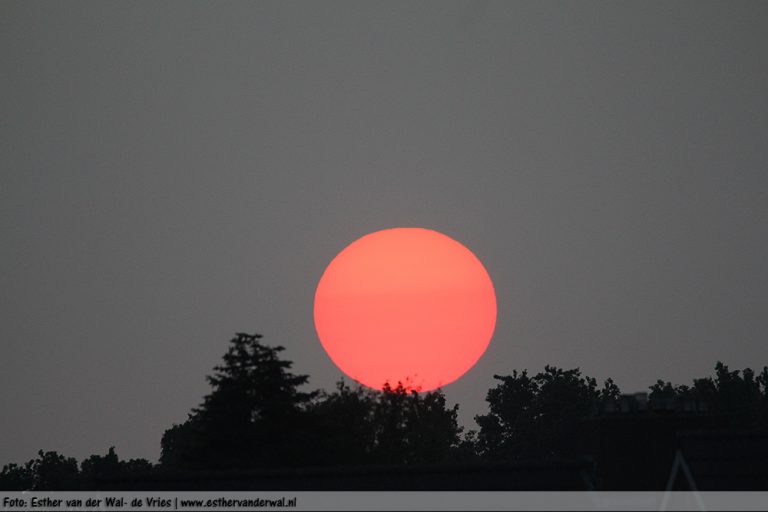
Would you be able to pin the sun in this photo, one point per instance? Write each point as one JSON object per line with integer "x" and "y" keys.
{"x": 406, "y": 305}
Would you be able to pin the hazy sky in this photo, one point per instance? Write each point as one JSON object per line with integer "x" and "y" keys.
{"x": 174, "y": 172}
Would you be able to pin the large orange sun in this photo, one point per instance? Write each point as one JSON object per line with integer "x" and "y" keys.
{"x": 406, "y": 305}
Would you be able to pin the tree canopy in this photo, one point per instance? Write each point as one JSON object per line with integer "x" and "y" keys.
{"x": 534, "y": 417}
{"x": 51, "y": 471}
{"x": 396, "y": 425}
{"x": 251, "y": 417}
{"x": 741, "y": 395}
{"x": 258, "y": 414}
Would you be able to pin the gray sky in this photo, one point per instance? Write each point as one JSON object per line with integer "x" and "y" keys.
{"x": 174, "y": 172}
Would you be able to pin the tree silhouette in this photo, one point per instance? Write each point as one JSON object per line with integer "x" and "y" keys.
{"x": 340, "y": 427}
{"x": 742, "y": 396}
{"x": 392, "y": 426}
{"x": 535, "y": 417}
{"x": 413, "y": 427}
{"x": 97, "y": 466}
{"x": 251, "y": 418}
{"x": 50, "y": 471}
{"x": 14, "y": 477}
{"x": 257, "y": 416}
{"x": 110, "y": 466}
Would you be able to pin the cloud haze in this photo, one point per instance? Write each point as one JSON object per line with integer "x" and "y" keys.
{"x": 175, "y": 172}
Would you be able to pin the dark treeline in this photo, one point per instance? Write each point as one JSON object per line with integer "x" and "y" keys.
{"x": 258, "y": 416}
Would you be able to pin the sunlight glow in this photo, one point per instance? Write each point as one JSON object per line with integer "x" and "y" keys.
{"x": 405, "y": 304}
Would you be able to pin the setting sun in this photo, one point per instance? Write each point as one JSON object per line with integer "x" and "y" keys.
{"x": 406, "y": 305}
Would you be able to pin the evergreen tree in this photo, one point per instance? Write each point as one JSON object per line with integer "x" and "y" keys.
{"x": 251, "y": 418}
